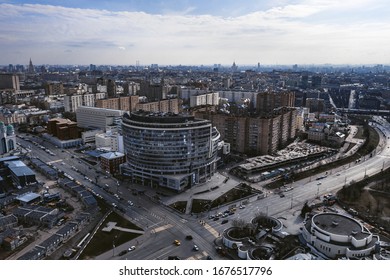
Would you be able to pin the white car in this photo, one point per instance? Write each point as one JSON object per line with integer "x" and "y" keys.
{"x": 196, "y": 248}
{"x": 132, "y": 248}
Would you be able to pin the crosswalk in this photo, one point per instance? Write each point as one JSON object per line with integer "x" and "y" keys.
{"x": 156, "y": 216}
{"x": 211, "y": 230}
{"x": 164, "y": 227}
{"x": 198, "y": 256}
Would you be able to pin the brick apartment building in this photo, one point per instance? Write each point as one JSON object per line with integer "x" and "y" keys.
{"x": 63, "y": 129}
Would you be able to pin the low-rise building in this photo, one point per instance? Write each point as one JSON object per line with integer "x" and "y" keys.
{"x": 110, "y": 162}
{"x": 338, "y": 236}
{"x": 21, "y": 174}
{"x": 89, "y": 136}
{"x": 8, "y": 221}
{"x": 111, "y": 141}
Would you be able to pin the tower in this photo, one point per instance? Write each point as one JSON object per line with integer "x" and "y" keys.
{"x": 31, "y": 68}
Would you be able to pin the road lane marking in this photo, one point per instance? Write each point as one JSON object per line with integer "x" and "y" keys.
{"x": 54, "y": 161}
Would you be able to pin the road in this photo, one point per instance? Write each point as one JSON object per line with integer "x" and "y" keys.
{"x": 162, "y": 225}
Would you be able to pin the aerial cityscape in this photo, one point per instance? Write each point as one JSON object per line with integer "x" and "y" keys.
{"x": 152, "y": 130}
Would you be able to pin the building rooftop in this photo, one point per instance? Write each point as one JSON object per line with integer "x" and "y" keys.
{"x": 112, "y": 155}
{"x": 340, "y": 225}
{"x": 293, "y": 151}
{"x": 159, "y": 117}
{"x": 27, "y": 197}
{"x": 63, "y": 121}
{"x": 19, "y": 168}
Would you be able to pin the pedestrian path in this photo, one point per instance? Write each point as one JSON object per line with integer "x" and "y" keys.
{"x": 112, "y": 225}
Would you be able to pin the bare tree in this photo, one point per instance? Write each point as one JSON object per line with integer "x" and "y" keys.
{"x": 239, "y": 223}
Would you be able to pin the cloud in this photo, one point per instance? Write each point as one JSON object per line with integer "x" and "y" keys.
{"x": 310, "y": 31}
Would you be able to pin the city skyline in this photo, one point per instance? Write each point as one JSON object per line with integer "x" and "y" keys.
{"x": 195, "y": 32}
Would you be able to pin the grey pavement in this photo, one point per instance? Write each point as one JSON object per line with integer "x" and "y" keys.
{"x": 205, "y": 191}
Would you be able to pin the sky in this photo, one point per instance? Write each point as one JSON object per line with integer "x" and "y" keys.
{"x": 195, "y": 32}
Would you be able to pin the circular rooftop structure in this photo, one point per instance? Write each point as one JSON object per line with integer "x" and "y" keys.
{"x": 336, "y": 236}
{"x": 338, "y": 224}
{"x": 268, "y": 222}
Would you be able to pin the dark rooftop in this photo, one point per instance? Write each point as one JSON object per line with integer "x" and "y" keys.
{"x": 159, "y": 117}
{"x": 339, "y": 224}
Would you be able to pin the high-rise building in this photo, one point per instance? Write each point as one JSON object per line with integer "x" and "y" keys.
{"x": 72, "y": 102}
{"x": 315, "y": 105}
{"x": 169, "y": 150}
{"x": 131, "y": 88}
{"x": 268, "y": 101}
{"x": 111, "y": 88}
{"x": 259, "y": 135}
{"x": 211, "y": 98}
{"x": 153, "y": 92}
{"x": 31, "y": 68}
{"x": 123, "y": 103}
{"x": 54, "y": 88}
{"x": 164, "y": 106}
{"x": 9, "y": 81}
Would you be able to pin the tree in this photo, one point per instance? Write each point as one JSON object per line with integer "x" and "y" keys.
{"x": 239, "y": 223}
{"x": 258, "y": 217}
{"x": 305, "y": 209}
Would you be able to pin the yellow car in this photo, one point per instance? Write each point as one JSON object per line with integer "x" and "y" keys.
{"x": 176, "y": 242}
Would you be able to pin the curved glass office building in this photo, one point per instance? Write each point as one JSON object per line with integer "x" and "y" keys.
{"x": 169, "y": 150}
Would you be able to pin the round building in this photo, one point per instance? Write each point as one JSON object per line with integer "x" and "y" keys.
{"x": 337, "y": 236}
{"x": 169, "y": 150}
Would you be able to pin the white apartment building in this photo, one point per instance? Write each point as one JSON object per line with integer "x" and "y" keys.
{"x": 239, "y": 95}
{"x": 89, "y": 135}
{"x": 211, "y": 98}
{"x": 186, "y": 93}
{"x": 109, "y": 140}
{"x": 98, "y": 118}
{"x": 72, "y": 102}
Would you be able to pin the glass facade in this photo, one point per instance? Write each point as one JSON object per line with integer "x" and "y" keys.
{"x": 169, "y": 150}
